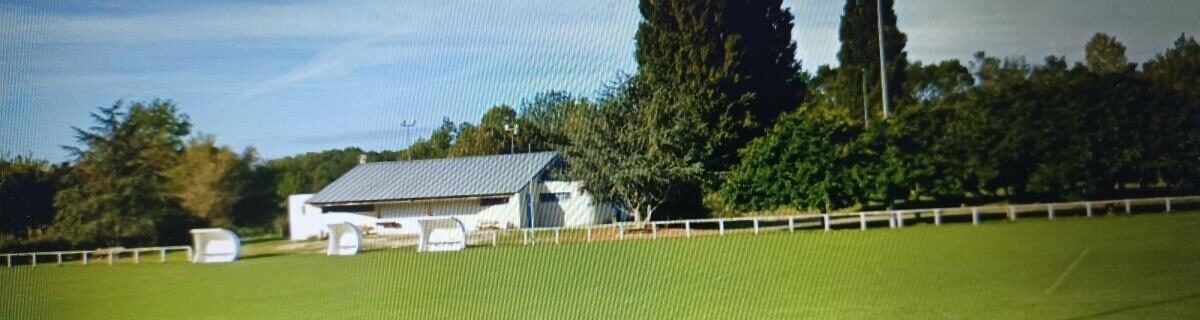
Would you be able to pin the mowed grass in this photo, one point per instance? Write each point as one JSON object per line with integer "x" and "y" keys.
{"x": 1123, "y": 267}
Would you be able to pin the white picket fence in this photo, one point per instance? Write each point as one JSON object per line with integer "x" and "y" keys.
{"x": 107, "y": 254}
{"x": 828, "y": 221}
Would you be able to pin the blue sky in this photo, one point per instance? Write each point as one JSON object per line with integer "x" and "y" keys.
{"x": 289, "y": 77}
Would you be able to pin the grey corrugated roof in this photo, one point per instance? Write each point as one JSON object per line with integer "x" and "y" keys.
{"x": 434, "y": 178}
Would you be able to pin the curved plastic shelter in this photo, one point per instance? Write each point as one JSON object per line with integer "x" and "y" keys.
{"x": 215, "y": 245}
{"x": 344, "y": 239}
{"x": 442, "y": 234}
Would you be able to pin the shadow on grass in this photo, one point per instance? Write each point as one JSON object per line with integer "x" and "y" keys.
{"x": 252, "y": 240}
{"x": 262, "y": 255}
{"x": 1137, "y": 307}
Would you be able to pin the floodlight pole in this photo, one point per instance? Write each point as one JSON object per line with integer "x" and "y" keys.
{"x": 887, "y": 108}
{"x": 407, "y": 125}
{"x": 513, "y": 130}
{"x": 866, "y": 105}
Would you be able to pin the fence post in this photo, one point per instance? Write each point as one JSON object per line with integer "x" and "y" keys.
{"x": 937, "y": 217}
{"x": 755, "y": 225}
{"x": 791, "y": 224}
{"x": 975, "y": 216}
{"x": 556, "y": 235}
{"x": 1012, "y": 213}
{"x": 862, "y": 220}
{"x": 8, "y": 260}
{"x": 721, "y": 225}
{"x": 1168, "y": 200}
{"x": 589, "y": 234}
{"x": 162, "y": 255}
{"x": 1089, "y": 208}
{"x": 34, "y": 258}
{"x": 1128, "y": 209}
{"x": 620, "y": 232}
{"x": 1050, "y": 210}
{"x": 687, "y": 227}
{"x": 85, "y": 257}
{"x": 110, "y": 257}
{"x": 899, "y": 219}
{"x": 60, "y": 258}
{"x": 654, "y": 231}
{"x": 891, "y": 220}
{"x": 525, "y": 237}
{"x": 494, "y": 238}
{"x": 825, "y": 218}
{"x": 137, "y": 256}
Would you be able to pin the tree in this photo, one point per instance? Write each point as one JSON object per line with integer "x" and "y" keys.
{"x": 209, "y": 180}
{"x": 489, "y": 137}
{"x": 436, "y": 147}
{"x": 635, "y": 149}
{"x": 119, "y": 191}
{"x": 806, "y": 161}
{"x": 543, "y": 119}
{"x": 858, "y": 57}
{"x": 27, "y": 189}
{"x": 736, "y": 56}
{"x": 1106, "y": 55}
{"x": 1177, "y": 72}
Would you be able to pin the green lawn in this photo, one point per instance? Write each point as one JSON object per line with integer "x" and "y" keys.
{"x": 1105, "y": 267}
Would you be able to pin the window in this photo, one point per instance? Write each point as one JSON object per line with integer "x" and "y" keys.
{"x": 556, "y": 197}
{"x": 487, "y": 202}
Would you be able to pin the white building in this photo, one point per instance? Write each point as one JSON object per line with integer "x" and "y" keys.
{"x": 500, "y": 191}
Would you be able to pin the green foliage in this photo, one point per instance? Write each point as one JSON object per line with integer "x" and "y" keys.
{"x": 637, "y": 150}
{"x": 119, "y": 191}
{"x": 489, "y": 137}
{"x": 808, "y": 160}
{"x": 27, "y": 189}
{"x": 544, "y": 120}
{"x": 210, "y": 180}
{"x": 1104, "y": 54}
{"x": 436, "y": 147}
{"x": 734, "y": 59}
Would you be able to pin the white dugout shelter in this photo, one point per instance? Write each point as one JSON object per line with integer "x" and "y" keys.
{"x": 215, "y": 245}
{"x": 442, "y": 234}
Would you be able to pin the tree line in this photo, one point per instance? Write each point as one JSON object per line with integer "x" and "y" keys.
{"x": 719, "y": 119}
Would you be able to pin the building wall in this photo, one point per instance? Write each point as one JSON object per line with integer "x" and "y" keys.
{"x": 577, "y": 210}
{"x": 306, "y": 221}
{"x": 303, "y": 219}
{"x": 471, "y": 211}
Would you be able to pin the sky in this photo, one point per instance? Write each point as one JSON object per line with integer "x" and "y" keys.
{"x": 289, "y": 77}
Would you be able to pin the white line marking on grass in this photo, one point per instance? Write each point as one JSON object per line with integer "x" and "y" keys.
{"x": 1067, "y": 272}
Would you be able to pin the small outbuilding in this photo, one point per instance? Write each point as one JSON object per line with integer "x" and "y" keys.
{"x": 484, "y": 192}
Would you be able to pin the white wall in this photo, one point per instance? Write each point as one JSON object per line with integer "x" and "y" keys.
{"x": 303, "y": 219}
{"x": 307, "y": 221}
{"x": 577, "y": 211}
{"x": 470, "y": 211}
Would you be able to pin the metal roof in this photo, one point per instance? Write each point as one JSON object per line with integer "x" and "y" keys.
{"x": 434, "y": 178}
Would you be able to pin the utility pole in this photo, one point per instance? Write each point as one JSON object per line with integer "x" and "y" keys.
{"x": 407, "y": 125}
{"x": 866, "y": 105}
{"x": 887, "y": 108}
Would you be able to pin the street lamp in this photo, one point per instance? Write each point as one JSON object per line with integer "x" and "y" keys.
{"x": 513, "y": 131}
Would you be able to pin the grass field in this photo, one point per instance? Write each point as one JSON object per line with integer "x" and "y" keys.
{"x": 1106, "y": 267}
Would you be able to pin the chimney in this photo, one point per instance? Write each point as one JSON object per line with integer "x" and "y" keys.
{"x": 362, "y": 158}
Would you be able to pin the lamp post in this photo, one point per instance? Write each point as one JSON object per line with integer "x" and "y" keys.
{"x": 887, "y": 108}
{"x": 513, "y": 131}
{"x": 407, "y": 125}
